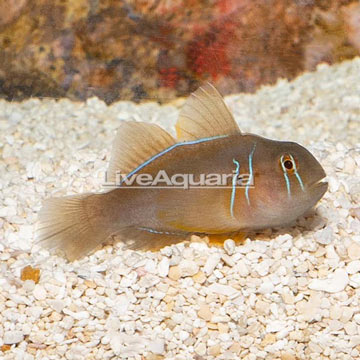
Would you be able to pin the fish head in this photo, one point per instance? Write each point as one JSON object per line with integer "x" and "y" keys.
{"x": 288, "y": 182}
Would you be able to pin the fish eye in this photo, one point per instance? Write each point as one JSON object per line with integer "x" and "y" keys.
{"x": 288, "y": 163}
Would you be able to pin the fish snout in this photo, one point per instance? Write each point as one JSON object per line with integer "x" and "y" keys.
{"x": 318, "y": 188}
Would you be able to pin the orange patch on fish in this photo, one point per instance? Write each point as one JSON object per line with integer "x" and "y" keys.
{"x": 219, "y": 239}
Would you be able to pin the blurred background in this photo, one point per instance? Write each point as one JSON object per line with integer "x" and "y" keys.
{"x": 160, "y": 49}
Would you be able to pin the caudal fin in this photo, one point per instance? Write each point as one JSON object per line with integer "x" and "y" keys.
{"x": 74, "y": 224}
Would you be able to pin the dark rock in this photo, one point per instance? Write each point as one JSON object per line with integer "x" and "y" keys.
{"x": 160, "y": 49}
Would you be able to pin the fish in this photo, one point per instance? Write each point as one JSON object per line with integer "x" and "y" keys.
{"x": 236, "y": 182}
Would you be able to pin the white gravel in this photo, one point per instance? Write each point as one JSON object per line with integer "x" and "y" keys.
{"x": 290, "y": 294}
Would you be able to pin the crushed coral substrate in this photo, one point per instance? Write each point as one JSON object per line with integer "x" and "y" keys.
{"x": 290, "y": 294}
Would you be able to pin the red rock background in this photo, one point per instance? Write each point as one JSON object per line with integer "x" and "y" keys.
{"x": 161, "y": 49}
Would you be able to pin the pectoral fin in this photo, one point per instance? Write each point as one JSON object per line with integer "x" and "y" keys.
{"x": 197, "y": 211}
{"x": 142, "y": 238}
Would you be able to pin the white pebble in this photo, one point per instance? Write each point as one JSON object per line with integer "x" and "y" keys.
{"x": 266, "y": 287}
{"x": 262, "y": 268}
{"x": 35, "y": 311}
{"x": 229, "y": 246}
{"x": 242, "y": 268}
{"x": 157, "y": 346}
{"x": 13, "y": 337}
{"x": 224, "y": 290}
{"x": 58, "y": 338}
{"x": 350, "y": 328}
{"x": 336, "y": 282}
{"x": 353, "y": 251}
{"x": 227, "y": 260}
{"x": 163, "y": 267}
{"x": 211, "y": 263}
{"x": 148, "y": 281}
{"x": 335, "y": 325}
{"x": 188, "y": 268}
{"x": 333, "y": 185}
{"x": 353, "y": 267}
{"x": 183, "y": 335}
{"x": 357, "y": 318}
{"x": 29, "y": 285}
{"x": 39, "y": 292}
{"x": 57, "y": 305}
{"x": 7, "y": 211}
{"x": 275, "y": 326}
{"x": 200, "y": 349}
{"x": 81, "y": 315}
{"x": 324, "y": 236}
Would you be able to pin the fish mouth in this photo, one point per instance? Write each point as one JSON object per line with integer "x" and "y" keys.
{"x": 319, "y": 187}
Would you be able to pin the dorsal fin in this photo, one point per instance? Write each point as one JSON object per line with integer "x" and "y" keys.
{"x": 136, "y": 142}
{"x": 205, "y": 114}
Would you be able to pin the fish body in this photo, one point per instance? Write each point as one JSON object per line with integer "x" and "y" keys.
{"x": 238, "y": 182}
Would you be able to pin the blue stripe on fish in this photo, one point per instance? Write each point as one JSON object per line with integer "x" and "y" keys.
{"x": 287, "y": 181}
{"x": 233, "y": 191}
{"x": 184, "y": 143}
{"x": 159, "y": 232}
{"x": 298, "y": 177}
{"x": 251, "y": 174}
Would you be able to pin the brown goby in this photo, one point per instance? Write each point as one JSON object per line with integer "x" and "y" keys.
{"x": 212, "y": 179}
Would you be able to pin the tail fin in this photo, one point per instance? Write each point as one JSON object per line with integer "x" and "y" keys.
{"x": 74, "y": 224}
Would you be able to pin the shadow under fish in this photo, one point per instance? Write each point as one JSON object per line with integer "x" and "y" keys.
{"x": 212, "y": 180}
